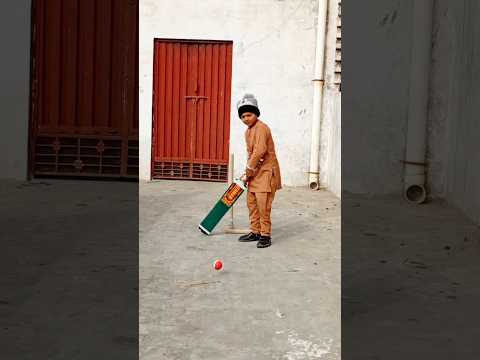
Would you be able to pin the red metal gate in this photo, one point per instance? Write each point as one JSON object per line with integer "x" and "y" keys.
{"x": 191, "y": 109}
{"x": 84, "y": 110}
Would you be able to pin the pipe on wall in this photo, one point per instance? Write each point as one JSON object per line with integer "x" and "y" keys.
{"x": 415, "y": 154}
{"x": 318, "y": 85}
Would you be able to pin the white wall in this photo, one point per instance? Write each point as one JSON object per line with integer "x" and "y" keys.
{"x": 15, "y": 24}
{"x": 331, "y": 135}
{"x": 331, "y": 141}
{"x": 375, "y": 96}
{"x": 454, "y": 126}
{"x": 377, "y": 113}
{"x": 273, "y": 58}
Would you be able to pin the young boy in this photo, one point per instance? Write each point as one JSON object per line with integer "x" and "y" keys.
{"x": 262, "y": 172}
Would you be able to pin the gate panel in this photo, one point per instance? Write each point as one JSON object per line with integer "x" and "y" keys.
{"x": 214, "y": 104}
{"x": 84, "y": 119}
{"x": 191, "y": 109}
{"x": 86, "y": 43}
{"x": 68, "y": 47}
{"x": 49, "y": 90}
{"x": 183, "y": 104}
{"x": 201, "y": 105}
{"x": 228, "y": 95}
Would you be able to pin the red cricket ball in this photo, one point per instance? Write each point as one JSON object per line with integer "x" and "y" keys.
{"x": 217, "y": 265}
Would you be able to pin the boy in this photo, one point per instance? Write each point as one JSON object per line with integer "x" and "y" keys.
{"x": 262, "y": 172}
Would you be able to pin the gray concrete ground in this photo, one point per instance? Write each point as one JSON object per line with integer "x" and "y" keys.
{"x": 410, "y": 278}
{"x": 69, "y": 270}
{"x": 69, "y": 276}
{"x": 282, "y": 302}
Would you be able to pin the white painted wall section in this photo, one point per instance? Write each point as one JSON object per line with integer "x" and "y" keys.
{"x": 454, "y": 126}
{"x": 377, "y": 96}
{"x": 273, "y": 53}
{"x": 331, "y": 136}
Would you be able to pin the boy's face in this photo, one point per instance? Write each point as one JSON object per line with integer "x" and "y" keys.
{"x": 249, "y": 118}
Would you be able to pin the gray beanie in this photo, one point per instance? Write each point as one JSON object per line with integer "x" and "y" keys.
{"x": 248, "y": 104}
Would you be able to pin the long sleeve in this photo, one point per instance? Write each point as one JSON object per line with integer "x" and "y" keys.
{"x": 259, "y": 150}
{"x": 246, "y": 147}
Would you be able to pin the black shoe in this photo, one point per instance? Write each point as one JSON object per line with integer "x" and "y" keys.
{"x": 265, "y": 241}
{"x": 249, "y": 237}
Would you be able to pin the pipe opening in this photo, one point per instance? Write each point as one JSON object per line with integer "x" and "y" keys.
{"x": 416, "y": 194}
{"x": 314, "y": 185}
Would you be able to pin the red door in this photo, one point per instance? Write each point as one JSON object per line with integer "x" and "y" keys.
{"x": 84, "y": 108}
{"x": 191, "y": 109}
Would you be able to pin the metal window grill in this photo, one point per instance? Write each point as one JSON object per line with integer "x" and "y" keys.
{"x": 338, "y": 50}
{"x": 188, "y": 170}
{"x": 83, "y": 156}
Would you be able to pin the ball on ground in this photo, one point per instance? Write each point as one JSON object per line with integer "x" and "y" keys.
{"x": 217, "y": 265}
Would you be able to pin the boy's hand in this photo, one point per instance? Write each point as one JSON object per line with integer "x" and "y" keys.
{"x": 249, "y": 172}
{"x": 244, "y": 178}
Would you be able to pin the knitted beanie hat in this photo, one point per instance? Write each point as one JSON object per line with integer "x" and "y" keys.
{"x": 248, "y": 104}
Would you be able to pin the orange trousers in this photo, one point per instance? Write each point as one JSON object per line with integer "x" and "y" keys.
{"x": 260, "y": 207}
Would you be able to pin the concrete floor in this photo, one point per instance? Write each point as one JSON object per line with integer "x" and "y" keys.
{"x": 282, "y": 302}
{"x": 410, "y": 278}
{"x": 69, "y": 270}
{"x": 69, "y": 276}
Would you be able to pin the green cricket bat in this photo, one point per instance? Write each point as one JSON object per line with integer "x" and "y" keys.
{"x": 229, "y": 197}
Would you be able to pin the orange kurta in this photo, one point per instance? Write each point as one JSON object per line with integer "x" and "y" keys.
{"x": 263, "y": 169}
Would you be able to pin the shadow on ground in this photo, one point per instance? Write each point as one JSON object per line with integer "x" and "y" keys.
{"x": 69, "y": 270}
{"x": 409, "y": 280}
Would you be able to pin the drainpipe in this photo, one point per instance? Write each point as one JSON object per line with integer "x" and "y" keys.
{"x": 318, "y": 84}
{"x": 414, "y": 172}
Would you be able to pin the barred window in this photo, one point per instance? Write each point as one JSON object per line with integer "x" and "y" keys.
{"x": 338, "y": 50}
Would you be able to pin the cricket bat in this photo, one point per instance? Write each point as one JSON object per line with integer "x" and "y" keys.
{"x": 226, "y": 201}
